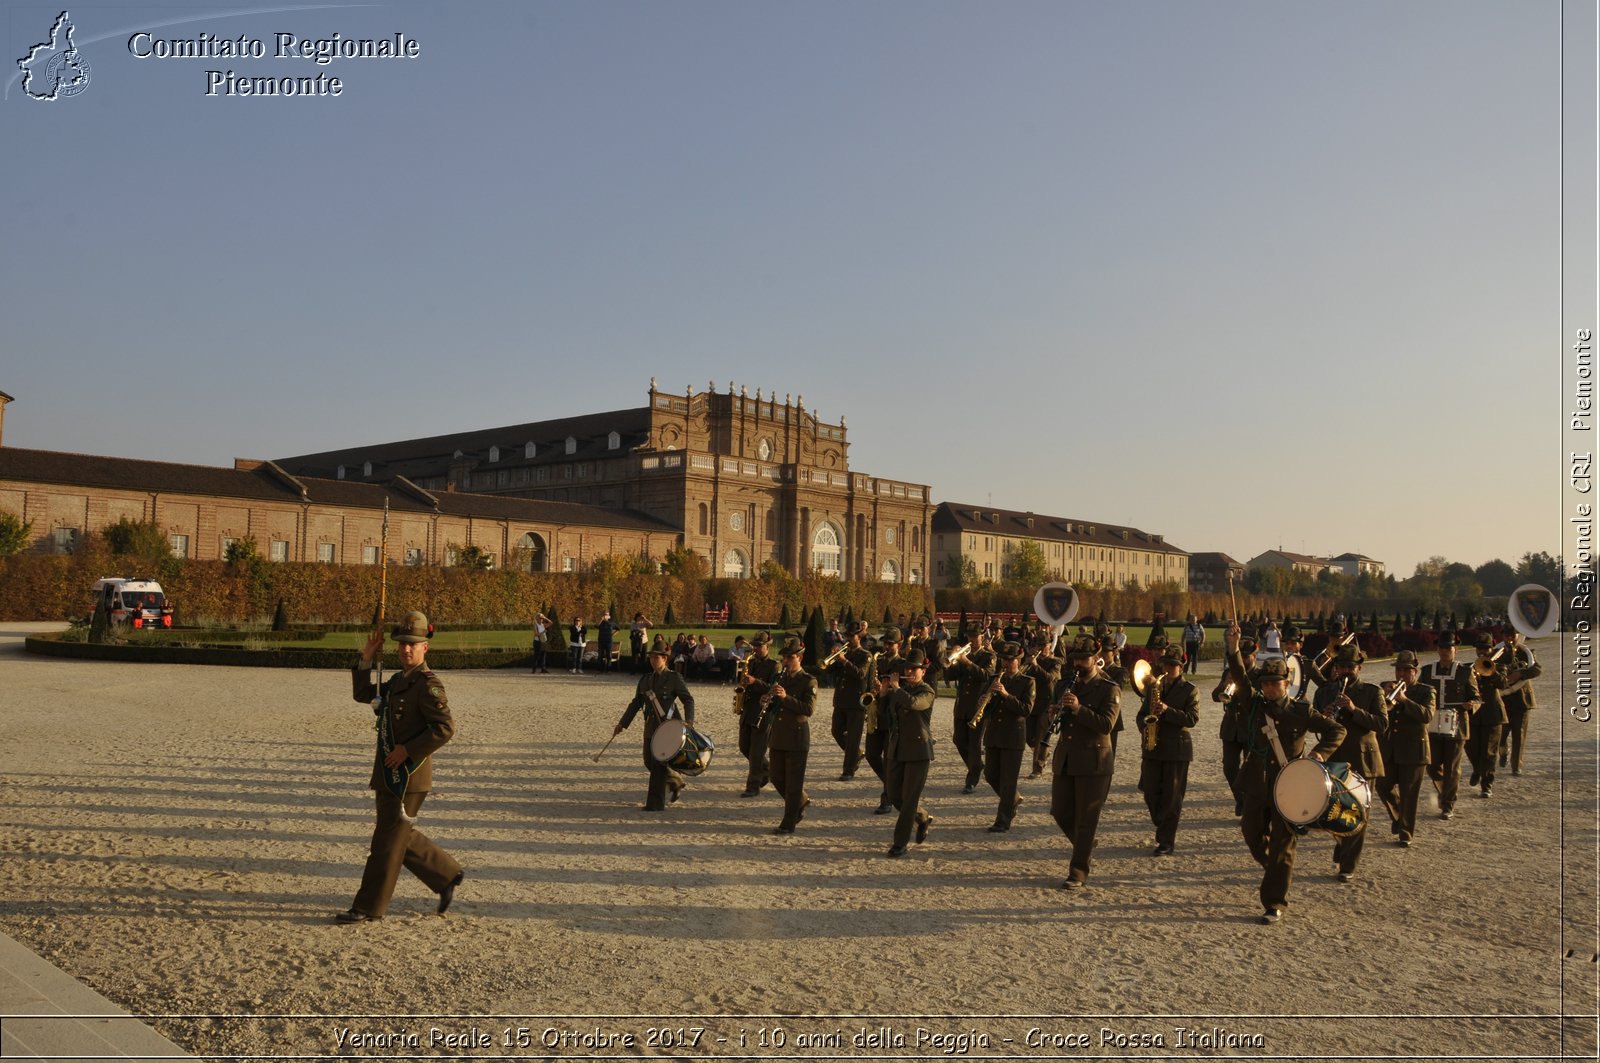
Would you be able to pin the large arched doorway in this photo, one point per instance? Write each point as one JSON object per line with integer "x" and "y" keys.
{"x": 734, "y": 565}
{"x": 532, "y": 551}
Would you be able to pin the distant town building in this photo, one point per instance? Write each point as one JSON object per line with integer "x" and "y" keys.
{"x": 1283, "y": 559}
{"x": 1356, "y": 564}
{"x": 1209, "y": 570}
{"x": 1075, "y": 551}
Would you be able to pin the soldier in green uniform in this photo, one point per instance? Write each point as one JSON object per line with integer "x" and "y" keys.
{"x": 661, "y": 693}
{"x": 1046, "y": 671}
{"x": 972, "y": 676}
{"x": 419, "y": 720}
{"x": 1518, "y": 702}
{"x": 794, "y": 697}
{"x": 850, "y": 682}
{"x": 1087, "y": 704}
{"x": 1359, "y": 709}
{"x": 907, "y": 703}
{"x": 761, "y": 671}
{"x": 1235, "y": 696}
{"x": 1273, "y": 730}
{"x": 1483, "y": 744}
{"x": 1457, "y": 690}
{"x": 1005, "y": 709}
{"x": 885, "y": 668}
{"x": 1410, "y": 711}
{"x": 1167, "y": 720}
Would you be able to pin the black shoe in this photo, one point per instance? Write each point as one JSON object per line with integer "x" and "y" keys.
{"x": 1447, "y": 814}
{"x": 1503, "y": 759}
{"x": 999, "y": 826}
{"x": 353, "y": 916}
{"x": 969, "y": 788}
{"x": 897, "y": 850}
{"x": 784, "y": 828}
{"x": 1163, "y": 850}
{"x": 798, "y": 816}
{"x": 1271, "y": 915}
{"x": 922, "y": 829}
{"x": 1488, "y": 792}
{"x": 448, "y": 894}
{"x": 883, "y": 807}
{"x": 749, "y": 792}
{"x": 846, "y": 776}
{"x": 1072, "y": 884}
{"x": 652, "y": 808}
{"x": 676, "y": 790}
{"x": 1515, "y": 772}
{"x": 1474, "y": 780}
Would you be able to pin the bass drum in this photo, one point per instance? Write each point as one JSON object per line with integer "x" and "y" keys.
{"x": 1313, "y": 796}
{"x": 678, "y": 746}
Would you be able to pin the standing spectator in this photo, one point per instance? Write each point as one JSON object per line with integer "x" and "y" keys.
{"x": 1119, "y": 641}
{"x": 541, "y": 641}
{"x": 607, "y": 631}
{"x": 1194, "y": 636}
{"x": 740, "y": 651}
{"x": 576, "y": 640}
{"x": 637, "y": 636}
{"x": 832, "y": 639}
{"x": 1271, "y": 641}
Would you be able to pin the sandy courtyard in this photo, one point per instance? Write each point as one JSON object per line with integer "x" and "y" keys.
{"x": 180, "y": 837}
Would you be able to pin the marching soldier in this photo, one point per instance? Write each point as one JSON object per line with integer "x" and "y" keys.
{"x": 1518, "y": 702}
{"x": 1235, "y": 695}
{"x": 1170, "y": 709}
{"x": 1009, "y": 700}
{"x": 908, "y": 706}
{"x": 1274, "y": 730}
{"x": 794, "y": 696}
{"x": 1457, "y": 696}
{"x": 1357, "y": 707}
{"x": 850, "y": 682}
{"x": 1087, "y": 709}
{"x": 660, "y": 691}
{"x": 420, "y": 722}
{"x": 1046, "y": 671}
{"x": 1292, "y": 643}
{"x": 1490, "y": 717}
{"x": 886, "y": 668}
{"x": 760, "y": 673}
{"x": 972, "y": 677}
{"x": 1410, "y": 711}
{"x": 1112, "y": 669}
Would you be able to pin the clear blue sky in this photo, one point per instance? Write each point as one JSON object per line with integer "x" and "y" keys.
{"x": 1247, "y": 274}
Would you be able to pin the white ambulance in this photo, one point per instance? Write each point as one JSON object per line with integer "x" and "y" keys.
{"x": 136, "y": 602}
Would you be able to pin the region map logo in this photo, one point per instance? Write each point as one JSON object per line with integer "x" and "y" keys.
{"x": 55, "y": 69}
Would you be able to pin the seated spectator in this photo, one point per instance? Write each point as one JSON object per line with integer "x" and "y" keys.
{"x": 741, "y": 650}
{"x": 703, "y": 659}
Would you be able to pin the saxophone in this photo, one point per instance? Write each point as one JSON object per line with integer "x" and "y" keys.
{"x": 1151, "y": 728}
{"x": 741, "y": 668}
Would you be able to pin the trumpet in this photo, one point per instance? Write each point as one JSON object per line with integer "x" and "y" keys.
{"x": 1484, "y": 667}
{"x": 1327, "y": 654}
{"x": 959, "y": 653}
{"x": 1395, "y": 691}
{"x": 834, "y": 657}
{"x": 1332, "y": 710}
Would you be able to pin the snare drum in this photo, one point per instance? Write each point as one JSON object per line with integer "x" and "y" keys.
{"x": 1329, "y": 797}
{"x": 1444, "y": 723}
{"x": 680, "y": 747}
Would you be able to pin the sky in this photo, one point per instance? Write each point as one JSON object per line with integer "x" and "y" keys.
{"x": 1249, "y": 275}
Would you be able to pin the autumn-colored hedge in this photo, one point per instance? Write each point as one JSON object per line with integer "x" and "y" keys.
{"x": 53, "y": 587}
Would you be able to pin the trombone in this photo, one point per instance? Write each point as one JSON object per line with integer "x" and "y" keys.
{"x": 1327, "y": 654}
{"x": 1488, "y": 665}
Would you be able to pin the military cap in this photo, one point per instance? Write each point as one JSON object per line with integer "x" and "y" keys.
{"x": 659, "y": 648}
{"x": 1349, "y": 655}
{"x": 1405, "y": 659}
{"x": 1009, "y": 651}
{"x": 915, "y": 659}
{"x": 1484, "y": 641}
{"x": 1082, "y": 648}
{"x": 1448, "y": 638}
{"x": 760, "y": 638}
{"x": 1159, "y": 642}
{"x": 1247, "y": 645}
{"x": 1291, "y": 633}
{"x": 1170, "y": 655}
{"x": 1276, "y": 668}
{"x": 414, "y": 628}
{"x": 793, "y": 648}
{"x": 892, "y": 635}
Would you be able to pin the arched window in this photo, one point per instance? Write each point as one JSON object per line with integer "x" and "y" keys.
{"x": 614, "y": 441}
{"x": 733, "y": 564}
{"x": 494, "y": 454}
{"x": 705, "y": 519}
{"x": 530, "y": 449}
{"x": 532, "y": 551}
{"x": 890, "y": 572}
{"x": 825, "y": 552}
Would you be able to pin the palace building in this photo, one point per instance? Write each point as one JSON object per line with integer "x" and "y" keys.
{"x": 744, "y": 479}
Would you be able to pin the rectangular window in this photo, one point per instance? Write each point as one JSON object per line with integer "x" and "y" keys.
{"x": 227, "y": 544}
{"x": 568, "y": 564}
{"x": 414, "y": 556}
{"x": 179, "y": 544}
{"x": 64, "y": 540}
{"x": 369, "y": 555}
{"x": 278, "y": 550}
{"x": 325, "y": 553}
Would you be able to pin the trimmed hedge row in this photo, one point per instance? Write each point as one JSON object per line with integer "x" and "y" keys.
{"x": 283, "y": 657}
